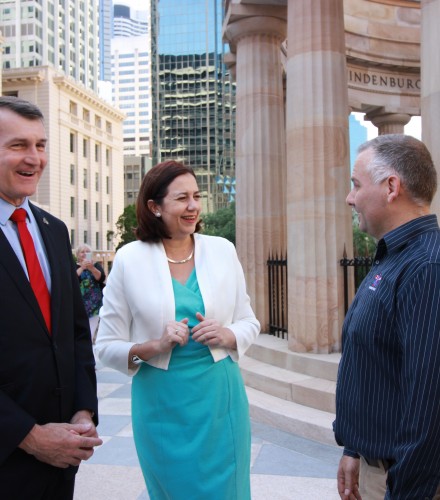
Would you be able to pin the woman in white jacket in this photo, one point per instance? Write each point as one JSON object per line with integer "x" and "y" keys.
{"x": 176, "y": 315}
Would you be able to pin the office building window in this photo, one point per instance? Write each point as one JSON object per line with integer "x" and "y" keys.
{"x": 97, "y": 210}
{"x": 85, "y": 178}
{"x": 96, "y": 181}
{"x": 73, "y": 107}
{"x": 72, "y": 237}
{"x": 72, "y": 174}
{"x": 72, "y": 143}
{"x": 85, "y": 237}
{"x": 97, "y": 245}
{"x": 85, "y": 209}
{"x": 72, "y": 206}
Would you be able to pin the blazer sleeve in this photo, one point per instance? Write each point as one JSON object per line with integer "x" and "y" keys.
{"x": 113, "y": 342}
{"x": 245, "y": 325}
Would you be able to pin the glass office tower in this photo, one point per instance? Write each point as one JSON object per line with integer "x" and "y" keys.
{"x": 193, "y": 95}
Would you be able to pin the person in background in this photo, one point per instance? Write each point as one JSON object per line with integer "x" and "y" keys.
{"x": 177, "y": 317}
{"x": 48, "y": 402}
{"x": 91, "y": 277}
{"x": 388, "y": 387}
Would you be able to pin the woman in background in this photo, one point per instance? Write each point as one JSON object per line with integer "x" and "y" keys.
{"x": 176, "y": 316}
{"x": 91, "y": 277}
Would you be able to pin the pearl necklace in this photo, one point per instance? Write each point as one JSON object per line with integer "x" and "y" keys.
{"x": 181, "y": 261}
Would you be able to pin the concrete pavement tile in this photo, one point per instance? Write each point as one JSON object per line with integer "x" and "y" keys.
{"x": 104, "y": 482}
{"x": 123, "y": 391}
{"x": 112, "y": 425}
{"x": 276, "y": 460}
{"x": 112, "y": 376}
{"x": 127, "y": 431}
{"x": 104, "y": 389}
{"x": 267, "y": 487}
{"x": 116, "y": 451}
{"x": 114, "y": 406}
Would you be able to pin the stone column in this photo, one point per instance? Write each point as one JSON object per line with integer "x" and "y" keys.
{"x": 387, "y": 122}
{"x": 260, "y": 151}
{"x": 318, "y": 173}
{"x": 430, "y": 93}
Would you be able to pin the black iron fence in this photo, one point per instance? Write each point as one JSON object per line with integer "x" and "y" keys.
{"x": 277, "y": 269}
{"x": 361, "y": 267}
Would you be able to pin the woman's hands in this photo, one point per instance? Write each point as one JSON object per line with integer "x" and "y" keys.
{"x": 176, "y": 332}
{"x": 210, "y": 332}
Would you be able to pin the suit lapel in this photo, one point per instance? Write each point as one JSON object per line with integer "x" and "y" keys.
{"x": 13, "y": 267}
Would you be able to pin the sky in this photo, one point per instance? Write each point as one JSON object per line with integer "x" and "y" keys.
{"x": 135, "y": 4}
{"x": 413, "y": 128}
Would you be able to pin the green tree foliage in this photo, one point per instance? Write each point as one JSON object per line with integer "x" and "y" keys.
{"x": 221, "y": 223}
{"x": 125, "y": 226}
{"x": 364, "y": 245}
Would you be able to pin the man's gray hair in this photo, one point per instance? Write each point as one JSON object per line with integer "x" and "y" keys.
{"x": 21, "y": 107}
{"x": 406, "y": 157}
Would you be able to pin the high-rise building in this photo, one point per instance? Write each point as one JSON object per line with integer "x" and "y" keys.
{"x": 129, "y": 22}
{"x": 105, "y": 36}
{"x": 131, "y": 93}
{"x": 193, "y": 96}
{"x": 63, "y": 35}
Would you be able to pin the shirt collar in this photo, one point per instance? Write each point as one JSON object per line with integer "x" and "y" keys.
{"x": 398, "y": 237}
{"x": 7, "y": 209}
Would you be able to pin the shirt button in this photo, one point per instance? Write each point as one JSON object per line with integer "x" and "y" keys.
{"x": 376, "y": 262}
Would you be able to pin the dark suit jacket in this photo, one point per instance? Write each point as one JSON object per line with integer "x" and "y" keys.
{"x": 43, "y": 378}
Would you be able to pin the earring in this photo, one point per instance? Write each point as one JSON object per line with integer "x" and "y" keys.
{"x": 157, "y": 214}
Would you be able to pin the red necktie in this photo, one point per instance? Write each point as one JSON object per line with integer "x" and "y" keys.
{"x": 36, "y": 276}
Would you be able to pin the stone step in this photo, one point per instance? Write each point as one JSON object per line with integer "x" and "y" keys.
{"x": 274, "y": 351}
{"x": 291, "y": 391}
{"x": 291, "y": 417}
{"x": 288, "y": 385}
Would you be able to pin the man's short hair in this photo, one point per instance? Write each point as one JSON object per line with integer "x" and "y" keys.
{"x": 406, "y": 157}
{"x": 21, "y": 107}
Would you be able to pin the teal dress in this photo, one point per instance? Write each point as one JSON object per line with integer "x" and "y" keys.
{"x": 191, "y": 422}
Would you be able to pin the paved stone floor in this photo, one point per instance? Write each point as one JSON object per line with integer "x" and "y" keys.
{"x": 284, "y": 466}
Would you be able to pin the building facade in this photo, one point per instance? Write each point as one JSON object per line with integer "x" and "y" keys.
{"x": 131, "y": 92}
{"x": 129, "y": 22}
{"x": 63, "y": 35}
{"x": 82, "y": 183}
{"x": 193, "y": 95}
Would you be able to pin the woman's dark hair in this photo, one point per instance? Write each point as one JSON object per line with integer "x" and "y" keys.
{"x": 155, "y": 187}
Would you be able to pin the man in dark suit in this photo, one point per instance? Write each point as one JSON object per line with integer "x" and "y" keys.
{"x": 48, "y": 403}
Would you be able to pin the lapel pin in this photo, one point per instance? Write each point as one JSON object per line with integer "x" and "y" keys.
{"x": 45, "y": 221}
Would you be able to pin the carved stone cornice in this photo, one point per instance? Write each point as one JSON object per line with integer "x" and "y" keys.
{"x": 87, "y": 96}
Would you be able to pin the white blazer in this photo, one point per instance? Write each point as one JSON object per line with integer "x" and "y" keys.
{"x": 139, "y": 300}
